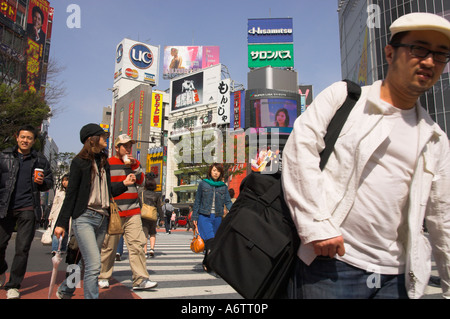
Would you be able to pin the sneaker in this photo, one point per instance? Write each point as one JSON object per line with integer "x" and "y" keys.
{"x": 60, "y": 295}
{"x": 13, "y": 293}
{"x": 2, "y": 279}
{"x": 103, "y": 283}
{"x": 118, "y": 257}
{"x": 151, "y": 253}
{"x": 145, "y": 284}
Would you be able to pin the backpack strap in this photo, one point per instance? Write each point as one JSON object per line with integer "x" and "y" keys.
{"x": 338, "y": 121}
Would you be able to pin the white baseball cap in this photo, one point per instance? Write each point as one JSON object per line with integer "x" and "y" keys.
{"x": 123, "y": 139}
{"x": 419, "y": 21}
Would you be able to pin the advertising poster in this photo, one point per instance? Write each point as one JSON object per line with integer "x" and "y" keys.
{"x": 195, "y": 89}
{"x": 156, "y": 113}
{"x": 275, "y": 55}
{"x": 179, "y": 60}
{"x": 37, "y": 22}
{"x": 137, "y": 61}
{"x": 223, "y": 104}
{"x": 271, "y": 30}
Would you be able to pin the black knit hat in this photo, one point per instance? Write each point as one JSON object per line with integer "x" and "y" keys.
{"x": 89, "y": 130}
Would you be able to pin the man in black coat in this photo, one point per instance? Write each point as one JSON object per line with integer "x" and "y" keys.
{"x": 20, "y": 203}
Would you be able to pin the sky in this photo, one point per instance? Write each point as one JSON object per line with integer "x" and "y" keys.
{"x": 87, "y": 53}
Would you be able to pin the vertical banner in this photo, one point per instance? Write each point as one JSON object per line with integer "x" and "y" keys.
{"x": 37, "y": 23}
{"x": 131, "y": 119}
{"x": 223, "y": 102}
{"x": 156, "y": 118}
{"x": 140, "y": 119}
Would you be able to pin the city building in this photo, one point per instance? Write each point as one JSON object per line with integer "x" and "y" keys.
{"x": 364, "y": 32}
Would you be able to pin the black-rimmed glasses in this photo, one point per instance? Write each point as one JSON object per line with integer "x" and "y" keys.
{"x": 421, "y": 52}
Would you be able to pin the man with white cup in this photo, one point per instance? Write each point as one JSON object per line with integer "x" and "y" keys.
{"x": 121, "y": 165}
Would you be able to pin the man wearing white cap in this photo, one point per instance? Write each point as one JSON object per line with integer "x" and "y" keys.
{"x": 360, "y": 220}
{"x": 122, "y": 164}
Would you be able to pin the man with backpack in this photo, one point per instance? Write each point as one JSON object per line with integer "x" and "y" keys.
{"x": 167, "y": 210}
{"x": 360, "y": 220}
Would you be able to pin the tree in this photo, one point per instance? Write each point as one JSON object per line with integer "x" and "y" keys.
{"x": 18, "y": 108}
{"x": 63, "y": 159}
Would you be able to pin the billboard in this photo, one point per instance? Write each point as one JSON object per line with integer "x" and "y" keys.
{"x": 179, "y": 60}
{"x": 195, "y": 89}
{"x": 156, "y": 113}
{"x": 137, "y": 61}
{"x": 237, "y": 109}
{"x": 276, "y": 30}
{"x": 275, "y": 55}
{"x": 272, "y": 109}
{"x": 223, "y": 102}
{"x": 37, "y": 22}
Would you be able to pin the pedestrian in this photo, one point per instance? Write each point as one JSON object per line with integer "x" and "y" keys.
{"x": 167, "y": 210}
{"x": 189, "y": 218}
{"x": 54, "y": 213}
{"x": 212, "y": 194}
{"x": 20, "y": 203}
{"x": 123, "y": 164}
{"x": 87, "y": 203}
{"x": 360, "y": 219}
{"x": 152, "y": 198}
{"x": 173, "y": 218}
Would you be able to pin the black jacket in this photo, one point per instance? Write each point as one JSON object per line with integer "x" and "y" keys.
{"x": 9, "y": 168}
{"x": 78, "y": 191}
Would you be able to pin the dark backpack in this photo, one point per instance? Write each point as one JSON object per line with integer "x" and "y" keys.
{"x": 256, "y": 244}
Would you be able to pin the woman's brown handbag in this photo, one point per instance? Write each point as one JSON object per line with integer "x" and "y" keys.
{"x": 197, "y": 244}
{"x": 115, "y": 222}
{"x": 147, "y": 211}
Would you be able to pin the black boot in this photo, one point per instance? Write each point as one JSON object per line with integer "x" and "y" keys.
{"x": 208, "y": 247}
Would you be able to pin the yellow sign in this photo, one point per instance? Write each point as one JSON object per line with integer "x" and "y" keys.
{"x": 156, "y": 114}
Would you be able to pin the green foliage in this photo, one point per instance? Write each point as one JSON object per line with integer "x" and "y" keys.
{"x": 19, "y": 108}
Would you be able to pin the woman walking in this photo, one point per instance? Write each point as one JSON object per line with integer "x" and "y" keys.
{"x": 212, "y": 194}
{"x": 87, "y": 203}
{"x": 54, "y": 213}
{"x": 150, "y": 197}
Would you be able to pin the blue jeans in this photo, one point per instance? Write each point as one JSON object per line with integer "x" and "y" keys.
{"x": 55, "y": 242}
{"x": 329, "y": 278}
{"x": 89, "y": 229}
{"x": 208, "y": 225}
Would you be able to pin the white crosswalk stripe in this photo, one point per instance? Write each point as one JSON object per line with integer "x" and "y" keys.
{"x": 177, "y": 270}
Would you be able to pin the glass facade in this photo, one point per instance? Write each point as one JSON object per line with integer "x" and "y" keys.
{"x": 364, "y": 34}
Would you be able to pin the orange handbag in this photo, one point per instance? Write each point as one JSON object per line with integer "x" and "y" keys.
{"x": 197, "y": 243}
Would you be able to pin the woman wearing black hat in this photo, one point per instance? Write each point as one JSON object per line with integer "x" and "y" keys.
{"x": 87, "y": 202}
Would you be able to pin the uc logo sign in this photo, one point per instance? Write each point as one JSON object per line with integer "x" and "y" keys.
{"x": 141, "y": 56}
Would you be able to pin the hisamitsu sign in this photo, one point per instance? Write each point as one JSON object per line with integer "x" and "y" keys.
{"x": 273, "y": 30}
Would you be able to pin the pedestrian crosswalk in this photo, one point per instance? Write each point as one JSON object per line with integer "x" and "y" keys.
{"x": 177, "y": 270}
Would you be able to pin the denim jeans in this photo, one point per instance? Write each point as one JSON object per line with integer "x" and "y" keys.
{"x": 26, "y": 227}
{"x": 208, "y": 225}
{"x": 89, "y": 229}
{"x": 329, "y": 278}
{"x": 55, "y": 242}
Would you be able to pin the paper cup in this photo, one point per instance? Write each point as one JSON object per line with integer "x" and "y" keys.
{"x": 126, "y": 160}
{"x": 38, "y": 172}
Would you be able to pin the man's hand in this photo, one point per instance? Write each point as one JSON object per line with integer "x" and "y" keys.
{"x": 130, "y": 180}
{"x": 329, "y": 247}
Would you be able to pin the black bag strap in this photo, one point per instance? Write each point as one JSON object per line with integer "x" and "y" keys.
{"x": 338, "y": 121}
{"x": 333, "y": 131}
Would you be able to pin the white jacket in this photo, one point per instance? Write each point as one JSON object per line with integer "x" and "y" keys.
{"x": 319, "y": 201}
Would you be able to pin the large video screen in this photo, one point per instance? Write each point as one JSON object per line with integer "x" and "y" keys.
{"x": 272, "y": 109}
